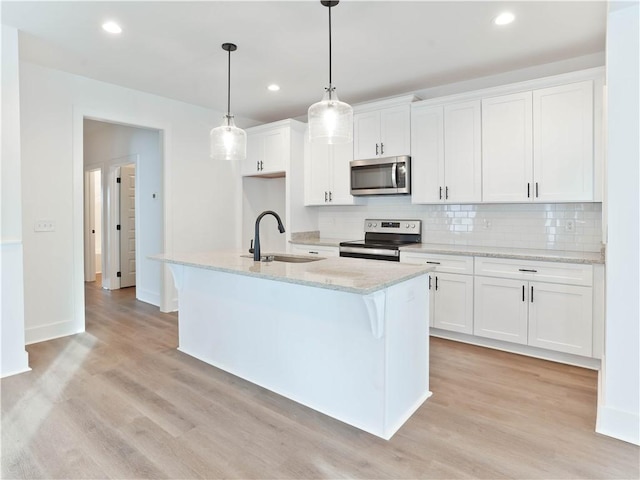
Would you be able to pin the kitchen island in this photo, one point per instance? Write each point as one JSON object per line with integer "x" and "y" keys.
{"x": 347, "y": 337}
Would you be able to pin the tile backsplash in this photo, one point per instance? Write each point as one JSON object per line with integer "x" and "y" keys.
{"x": 562, "y": 226}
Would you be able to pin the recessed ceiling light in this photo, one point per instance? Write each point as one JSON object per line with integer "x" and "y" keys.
{"x": 273, "y": 87}
{"x": 111, "y": 27}
{"x": 504, "y": 18}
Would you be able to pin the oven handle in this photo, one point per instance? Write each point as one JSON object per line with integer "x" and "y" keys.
{"x": 394, "y": 175}
{"x": 371, "y": 251}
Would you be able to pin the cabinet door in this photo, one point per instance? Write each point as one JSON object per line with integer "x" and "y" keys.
{"x": 563, "y": 142}
{"x": 432, "y": 299}
{"x": 463, "y": 180}
{"x": 507, "y": 151}
{"x": 427, "y": 155}
{"x": 275, "y": 150}
{"x": 340, "y": 174}
{"x": 500, "y": 309}
{"x": 395, "y": 131}
{"x": 255, "y": 153}
{"x": 317, "y": 171}
{"x": 561, "y": 317}
{"x": 453, "y": 308}
{"x": 366, "y": 135}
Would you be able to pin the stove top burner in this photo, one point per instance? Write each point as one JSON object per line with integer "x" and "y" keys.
{"x": 383, "y": 239}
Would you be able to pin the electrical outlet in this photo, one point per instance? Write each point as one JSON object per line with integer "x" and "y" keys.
{"x": 44, "y": 226}
{"x": 570, "y": 225}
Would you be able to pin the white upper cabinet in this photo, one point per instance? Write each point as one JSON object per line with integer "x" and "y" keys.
{"x": 327, "y": 174}
{"x": 446, "y": 161}
{"x": 538, "y": 146}
{"x": 563, "y": 142}
{"x": 382, "y": 133}
{"x": 507, "y": 148}
{"x": 268, "y": 149}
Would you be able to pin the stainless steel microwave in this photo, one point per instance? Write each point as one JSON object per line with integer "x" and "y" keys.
{"x": 381, "y": 176}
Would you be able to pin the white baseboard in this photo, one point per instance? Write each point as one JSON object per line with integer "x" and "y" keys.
{"x": 148, "y": 296}
{"x": 53, "y": 330}
{"x": 8, "y": 374}
{"x": 619, "y": 424}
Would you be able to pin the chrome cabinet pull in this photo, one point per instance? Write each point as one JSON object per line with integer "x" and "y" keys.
{"x": 434, "y": 263}
{"x": 523, "y": 293}
{"x": 528, "y": 190}
{"x": 429, "y": 282}
{"x": 436, "y": 283}
{"x": 381, "y": 148}
{"x": 537, "y": 195}
{"x": 325, "y": 197}
{"x": 258, "y": 166}
{"x": 261, "y": 165}
{"x": 527, "y": 270}
{"x": 531, "y": 293}
{"x": 446, "y": 193}
{"x": 376, "y": 149}
{"x": 440, "y": 193}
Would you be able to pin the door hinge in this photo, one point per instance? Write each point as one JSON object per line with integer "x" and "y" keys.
{"x": 117, "y": 227}
{"x": 119, "y": 274}
{"x": 118, "y": 180}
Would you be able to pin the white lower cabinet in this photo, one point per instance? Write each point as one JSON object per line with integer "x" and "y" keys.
{"x": 561, "y": 317}
{"x": 500, "y": 309}
{"x": 519, "y": 309}
{"x": 451, "y": 294}
{"x": 320, "y": 250}
{"x": 452, "y": 298}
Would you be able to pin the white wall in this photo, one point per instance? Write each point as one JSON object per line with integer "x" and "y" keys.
{"x": 14, "y": 358}
{"x": 53, "y": 104}
{"x": 619, "y": 403}
{"x": 105, "y": 145}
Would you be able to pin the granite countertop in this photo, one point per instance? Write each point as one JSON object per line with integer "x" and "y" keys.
{"x": 322, "y": 242}
{"x": 352, "y": 275}
{"x": 506, "y": 252}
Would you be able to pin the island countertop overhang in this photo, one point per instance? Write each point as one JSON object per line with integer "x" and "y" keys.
{"x": 353, "y": 275}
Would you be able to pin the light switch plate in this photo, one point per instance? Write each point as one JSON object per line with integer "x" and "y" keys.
{"x": 44, "y": 226}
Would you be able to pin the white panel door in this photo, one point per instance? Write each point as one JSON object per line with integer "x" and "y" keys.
{"x": 507, "y": 148}
{"x": 563, "y": 143}
{"x": 127, "y": 226}
{"x": 453, "y": 302}
{"x": 340, "y": 173}
{"x": 427, "y": 155}
{"x": 317, "y": 171}
{"x": 395, "y": 131}
{"x": 255, "y": 153}
{"x": 561, "y": 317}
{"x": 462, "y": 152}
{"x": 366, "y": 135}
{"x": 500, "y": 309}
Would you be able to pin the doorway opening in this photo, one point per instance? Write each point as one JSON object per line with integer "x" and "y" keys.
{"x": 123, "y": 209}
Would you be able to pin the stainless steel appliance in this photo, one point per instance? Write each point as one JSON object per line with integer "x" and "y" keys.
{"x": 383, "y": 239}
{"x": 381, "y": 176}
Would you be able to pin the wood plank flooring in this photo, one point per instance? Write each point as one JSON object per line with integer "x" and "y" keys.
{"x": 119, "y": 401}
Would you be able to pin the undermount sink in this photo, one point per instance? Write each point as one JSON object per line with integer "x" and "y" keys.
{"x": 281, "y": 257}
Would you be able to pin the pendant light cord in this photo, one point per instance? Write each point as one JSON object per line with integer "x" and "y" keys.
{"x": 229, "y": 86}
{"x": 329, "y": 48}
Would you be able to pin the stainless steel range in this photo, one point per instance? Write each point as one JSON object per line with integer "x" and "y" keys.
{"x": 383, "y": 239}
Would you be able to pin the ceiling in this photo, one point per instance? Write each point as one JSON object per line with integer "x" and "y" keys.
{"x": 380, "y": 48}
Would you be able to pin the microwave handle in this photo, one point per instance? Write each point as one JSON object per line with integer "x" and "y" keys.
{"x": 394, "y": 175}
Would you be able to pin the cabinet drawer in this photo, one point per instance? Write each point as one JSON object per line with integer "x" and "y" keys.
{"x": 553, "y": 272}
{"x": 321, "y": 250}
{"x": 443, "y": 263}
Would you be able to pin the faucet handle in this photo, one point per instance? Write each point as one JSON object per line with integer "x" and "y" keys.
{"x": 251, "y": 247}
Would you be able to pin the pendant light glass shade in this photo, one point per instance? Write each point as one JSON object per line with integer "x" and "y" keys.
{"x": 330, "y": 120}
{"x": 228, "y": 142}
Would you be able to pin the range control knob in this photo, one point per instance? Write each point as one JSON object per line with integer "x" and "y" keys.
{"x": 406, "y": 226}
{"x": 413, "y": 225}
{"x": 369, "y": 224}
{"x": 375, "y": 224}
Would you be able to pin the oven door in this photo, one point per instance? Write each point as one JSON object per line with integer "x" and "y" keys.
{"x": 391, "y": 255}
{"x": 380, "y": 176}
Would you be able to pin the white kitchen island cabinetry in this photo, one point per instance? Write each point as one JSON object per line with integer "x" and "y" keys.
{"x": 541, "y": 304}
{"x": 327, "y": 174}
{"x": 346, "y": 337}
{"x": 446, "y": 153}
{"x": 450, "y": 290}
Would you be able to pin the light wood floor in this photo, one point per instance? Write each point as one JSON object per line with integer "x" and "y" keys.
{"x": 119, "y": 401}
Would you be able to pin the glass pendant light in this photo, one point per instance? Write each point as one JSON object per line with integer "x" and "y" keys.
{"x": 330, "y": 120}
{"x": 228, "y": 142}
